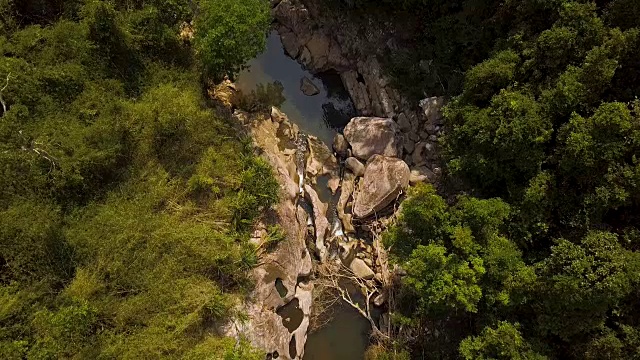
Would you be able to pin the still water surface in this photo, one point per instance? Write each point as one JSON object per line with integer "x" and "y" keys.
{"x": 321, "y": 115}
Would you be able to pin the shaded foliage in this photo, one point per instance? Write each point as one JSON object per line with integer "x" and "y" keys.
{"x": 125, "y": 202}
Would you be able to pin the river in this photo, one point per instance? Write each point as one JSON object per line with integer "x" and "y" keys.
{"x": 346, "y": 336}
{"x": 321, "y": 115}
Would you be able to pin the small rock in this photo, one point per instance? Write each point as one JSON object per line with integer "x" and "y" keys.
{"x": 380, "y": 299}
{"x": 340, "y": 145}
{"x": 418, "y": 156}
{"x": 356, "y": 167}
{"x": 361, "y": 270}
{"x": 432, "y": 108}
{"x": 421, "y": 174}
{"x": 398, "y": 270}
{"x": 308, "y": 87}
{"x": 277, "y": 116}
{"x": 414, "y": 136}
{"x": 333, "y": 184}
{"x": 408, "y": 159}
{"x": 433, "y": 138}
{"x": 409, "y": 146}
{"x": 404, "y": 123}
{"x": 430, "y": 128}
{"x": 347, "y": 224}
{"x": 430, "y": 151}
{"x": 424, "y": 135}
{"x": 346, "y": 251}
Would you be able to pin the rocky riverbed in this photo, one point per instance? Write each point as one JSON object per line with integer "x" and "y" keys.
{"x": 318, "y": 232}
{"x": 365, "y": 172}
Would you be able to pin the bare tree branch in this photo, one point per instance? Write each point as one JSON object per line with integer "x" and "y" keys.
{"x": 336, "y": 276}
{"x": 39, "y": 151}
{"x": 4, "y": 104}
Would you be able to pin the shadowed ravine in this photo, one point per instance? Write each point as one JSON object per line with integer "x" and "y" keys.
{"x": 346, "y": 336}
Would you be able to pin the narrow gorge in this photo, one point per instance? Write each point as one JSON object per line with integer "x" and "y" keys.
{"x": 345, "y": 147}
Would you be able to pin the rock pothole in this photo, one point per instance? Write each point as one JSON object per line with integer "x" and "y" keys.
{"x": 291, "y": 315}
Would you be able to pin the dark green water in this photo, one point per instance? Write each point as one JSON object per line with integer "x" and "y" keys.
{"x": 347, "y": 335}
{"x": 345, "y": 338}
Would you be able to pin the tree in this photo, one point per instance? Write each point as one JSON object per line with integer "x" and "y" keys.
{"x": 229, "y": 33}
{"x": 444, "y": 281}
{"x": 504, "y": 342}
{"x": 500, "y": 147}
{"x": 582, "y": 282}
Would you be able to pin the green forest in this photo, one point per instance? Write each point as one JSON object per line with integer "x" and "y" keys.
{"x": 531, "y": 247}
{"x": 125, "y": 200}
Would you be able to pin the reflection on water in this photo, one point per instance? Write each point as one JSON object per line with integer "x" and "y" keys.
{"x": 345, "y": 338}
{"x": 320, "y": 115}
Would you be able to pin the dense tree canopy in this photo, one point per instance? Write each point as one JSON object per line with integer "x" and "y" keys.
{"x": 539, "y": 256}
{"x": 124, "y": 199}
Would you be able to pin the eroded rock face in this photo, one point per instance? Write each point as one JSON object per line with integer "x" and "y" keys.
{"x": 321, "y": 222}
{"x": 384, "y": 179}
{"x": 291, "y": 260}
{"x": 370, "y": 136}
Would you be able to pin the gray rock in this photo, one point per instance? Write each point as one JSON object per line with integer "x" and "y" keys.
{"x": 430, "y": 151}
{"x": 418, "y": 155}
{"x": 384, "y": 179}
{"x": 308, "y": 87}
{"x": 432, "y": 108}
{"x": 340, "y": 145}
{"x": 433, "y": 138}
{"x": 404, "y": 123}
{"x": 421, "y": 174}
{"x": 430, "y": 128}
{"x": 361, "y": 270}
{"x": 356, "y": 167}
{"x": 409, "y": 146}
{"x": 414, "y": 136}
{"x": 320, "y": 221}
{"x": 369, "y": 136}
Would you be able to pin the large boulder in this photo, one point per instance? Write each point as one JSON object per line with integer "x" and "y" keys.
{"x": 384, "y": 179}
{"x": 369, "y": 136}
